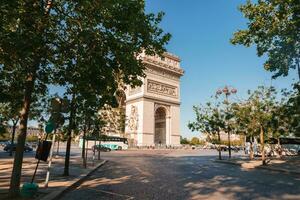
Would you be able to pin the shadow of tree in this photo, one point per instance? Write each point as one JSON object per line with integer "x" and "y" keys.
{"x": 185, "y": 177}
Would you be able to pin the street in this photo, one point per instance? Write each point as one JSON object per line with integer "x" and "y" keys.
{"x": 181, "y": 174}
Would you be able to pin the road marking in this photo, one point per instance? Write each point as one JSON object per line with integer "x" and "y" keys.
{"x": 143, "y": 172}
{"x": 112, "y": 193}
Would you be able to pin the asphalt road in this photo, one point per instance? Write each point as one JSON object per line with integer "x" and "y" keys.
{"x": 183, "y": 174}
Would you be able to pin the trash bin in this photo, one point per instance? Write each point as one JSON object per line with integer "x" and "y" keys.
{"x": 28, "y": 190}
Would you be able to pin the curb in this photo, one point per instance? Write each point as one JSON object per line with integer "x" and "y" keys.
{"x": 71, "y": 184}
{"x": 280, "y": 170}
{"x": 227, "y": 162}
{"x": 261, "y": 167}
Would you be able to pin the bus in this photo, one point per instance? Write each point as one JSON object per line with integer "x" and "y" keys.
{"x": 111, "y": 142}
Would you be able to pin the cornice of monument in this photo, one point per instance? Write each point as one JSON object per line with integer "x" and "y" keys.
{"x": 157, "y": 62}
{"x": 172, "y": 56}
{"x": 154, "y": 99}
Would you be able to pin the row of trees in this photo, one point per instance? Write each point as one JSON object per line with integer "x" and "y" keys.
{"x": 79, "y": 46}
{"x": 193, "y": 141}
{"x": 263, "y": 115}
{"x": 273, "y": 27}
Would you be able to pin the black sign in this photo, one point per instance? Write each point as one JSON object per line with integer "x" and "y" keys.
{"x": 43, "y": 150}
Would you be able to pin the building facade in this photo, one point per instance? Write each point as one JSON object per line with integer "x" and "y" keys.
{"x": 153, "y": 110}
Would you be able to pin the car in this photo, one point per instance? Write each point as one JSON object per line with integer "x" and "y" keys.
{"x": 100, "y": 148}
{"x": 8, "y": 147}
{"x": 4, "y": 143}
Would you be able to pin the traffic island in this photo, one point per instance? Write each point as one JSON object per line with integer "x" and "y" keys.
{"x": 290, "y": 165}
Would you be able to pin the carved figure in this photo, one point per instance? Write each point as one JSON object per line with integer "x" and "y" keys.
{"x": 133, "y": 120}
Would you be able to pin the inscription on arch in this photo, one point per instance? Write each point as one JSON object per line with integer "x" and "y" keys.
{"x": 161, "y": 88}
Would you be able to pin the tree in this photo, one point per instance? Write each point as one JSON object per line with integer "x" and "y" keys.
{"x": 209, "y": 120}
{"x": 289, "y": 111}
{"x": 195, "y": 141}
{"x": 99, "y": 40}
{"x": 245, "y": 119}
{"x": 274, "y": 28}
{"x": 261, "y": 103}
{"x": 2, "y": 119}
{"x": 88, "y": 119}
{"x": 184, "y": 140}
{"x": 11, "y": 113}
{"x": 12, "y": 103}
{"x": 25, "y": 52}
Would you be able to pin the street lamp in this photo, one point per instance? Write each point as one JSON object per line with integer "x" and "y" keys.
{"x": 227, "y": 91}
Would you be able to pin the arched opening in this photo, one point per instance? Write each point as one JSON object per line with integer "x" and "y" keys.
{"x": 160, "y": 126}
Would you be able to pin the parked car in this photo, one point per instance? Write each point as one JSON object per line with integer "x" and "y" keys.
{"x": 223, "y": 147}
{"x": 8, "y": 147}
{"x": 100, "y": 148}
{"x": 4, "y": 143}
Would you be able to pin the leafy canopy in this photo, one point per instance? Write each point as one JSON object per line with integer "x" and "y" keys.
{"x": 273, "y": 27}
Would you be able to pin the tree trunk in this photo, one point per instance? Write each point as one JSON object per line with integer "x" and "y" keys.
{"x": 86, "y": 153}
{"x": 83, "y": 148}
{"x": 99, "y": 143}
{"x": 69, "y": 135}
{"x": 219, "y": 139}
{"x": 279, "y": 149}
{"x": 13, "y": 135}
{"x": 262, "y": 146}
{"x": 298, "y": 66}
{"x": 251, "y": 151}
{"x": 83, "y": 142}
{"x": 14, "y": 188}
{"x": 229, "y": 145}
{"x": 94, "y": 152}
{"x": 57, "y": 149}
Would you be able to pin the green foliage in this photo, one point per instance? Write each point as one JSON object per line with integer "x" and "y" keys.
{"x": 233, "y": 143}
{"x": 32, "y": 138}
{"x": 209, "y": 119}
{"x": 263, "y": 111}
{"x": 184, "y": 141}
{"x": 274, "y": 28}
{"x": 289, "y": 112}
{"x": 4, "y": 136}
{"x": 256, "y": 113}
{"x": 195, "y": 141}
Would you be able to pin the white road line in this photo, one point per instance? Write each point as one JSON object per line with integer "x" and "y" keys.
{"x": 112, "y": 193}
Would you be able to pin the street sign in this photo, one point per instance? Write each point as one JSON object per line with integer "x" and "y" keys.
{"x": 49, "y": 127}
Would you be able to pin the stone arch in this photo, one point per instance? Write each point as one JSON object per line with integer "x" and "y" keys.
{"x": 160, "y": 116}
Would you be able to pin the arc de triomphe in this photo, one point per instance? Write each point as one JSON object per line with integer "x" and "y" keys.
{"x": 153, "y": 110}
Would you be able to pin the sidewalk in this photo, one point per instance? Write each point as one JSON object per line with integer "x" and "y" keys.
{"x": 287, "y": 164}
{"x": 56, "y": 183}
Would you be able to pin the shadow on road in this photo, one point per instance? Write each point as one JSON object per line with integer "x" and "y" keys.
{"x": 183, "y": 177}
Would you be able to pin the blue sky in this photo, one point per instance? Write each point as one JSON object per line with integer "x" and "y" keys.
{"x": 201, "y": 31}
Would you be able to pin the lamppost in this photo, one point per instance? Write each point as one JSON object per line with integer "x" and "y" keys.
{"x": 227, "y": 91}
